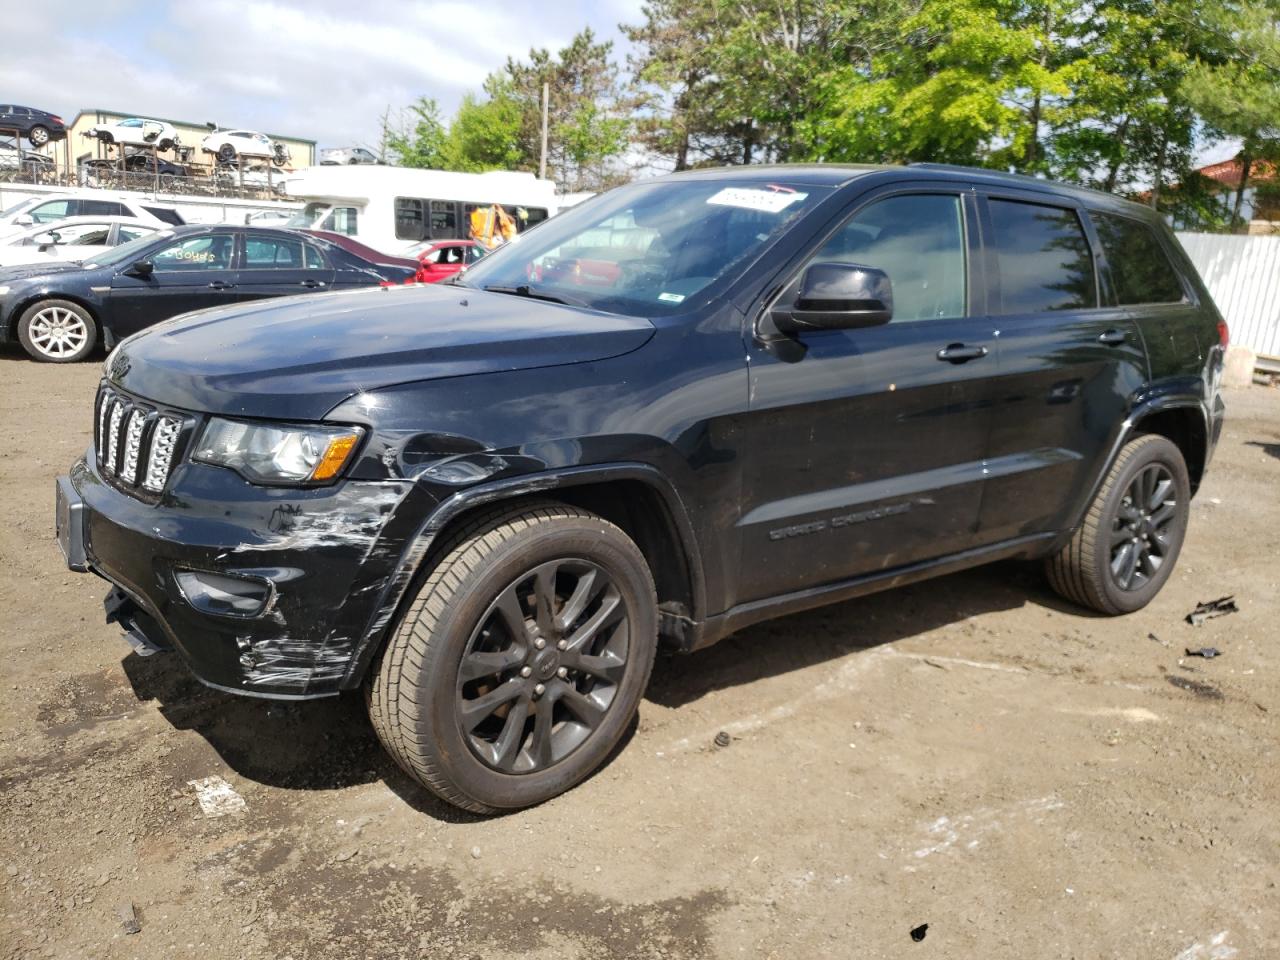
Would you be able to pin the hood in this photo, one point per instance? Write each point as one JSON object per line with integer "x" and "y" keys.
{"x": 298, "y": 357}
{"x": 44, "y": 268}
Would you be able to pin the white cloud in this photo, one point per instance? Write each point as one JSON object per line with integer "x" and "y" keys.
{"x": 325, "y": 69}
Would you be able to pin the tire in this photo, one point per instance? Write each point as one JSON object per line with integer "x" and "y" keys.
{"x": 57, "y": 331}
{"x": 38, "y": 135}
{"x": 1128, "y": 544}
{"x": 226, "y": 153}
{"x": 107, "y": 138}
{"x": 164, "y": 145}
{"x": 492, "y": 711}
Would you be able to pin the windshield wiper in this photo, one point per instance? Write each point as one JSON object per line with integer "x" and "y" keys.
{"x": 524, "y": 290}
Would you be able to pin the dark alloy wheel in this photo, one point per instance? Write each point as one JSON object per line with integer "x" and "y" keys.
{"x": 519, "y": 664}
{"x": 1125, "y": 549}
{"x": 542, "y": 669}
{"x": 1142, "y": 533}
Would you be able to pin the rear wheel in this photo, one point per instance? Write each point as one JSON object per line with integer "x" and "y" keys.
{"x": 38, "y": 135}
{"x": 1125, "y": 550}
{"x": 226, "y": 153}
{"x": 521, "y": 660}
{"x": 57, "y": 331}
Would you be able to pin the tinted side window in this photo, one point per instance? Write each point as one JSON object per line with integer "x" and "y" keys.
{"x": 409, "y": 220}
{"x": 1139, "y": 266}
{"x": 270, "y": 253}
{"x": 1043, "y": 257}
{"x": 918, "y": 240}
{"x": 102, "y": 208}
{"x": 315, "y": 260}
{"x": 166, "y": 215}
{"x": 444, "y": 219}
{"x": 211, "y": 252}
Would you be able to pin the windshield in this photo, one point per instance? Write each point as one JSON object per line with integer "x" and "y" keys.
{"x": 20, "y": 206}
{"x": 126, "y": 251}
{"x": 309, "y": 215}
{"x": 647, "y": 248}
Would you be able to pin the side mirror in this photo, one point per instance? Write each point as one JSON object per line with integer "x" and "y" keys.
{"x": 141, "y": 269}
{"x": 24, "y": 220}
{"x": 44, "y": 239}
{"x": 838, "y": 296}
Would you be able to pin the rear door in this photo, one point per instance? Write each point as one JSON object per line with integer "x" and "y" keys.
{"x": 865, "y": 447}
{"x": 275, "y": 265}
{"x": 1069, "y": 361}
{"x": 189, "y": 273}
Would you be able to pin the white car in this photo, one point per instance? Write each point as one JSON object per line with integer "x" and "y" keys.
{"x": 229, "y": 144}
{"x": 336, "y": 156}
{"x": 75, "y": 238}
{"x": 46, "y": 210}
{"x": 137, "y": 132}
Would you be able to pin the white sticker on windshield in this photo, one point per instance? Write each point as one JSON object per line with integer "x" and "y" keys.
{"x": 772, "y": 200}
{"x": 672, "y": 297}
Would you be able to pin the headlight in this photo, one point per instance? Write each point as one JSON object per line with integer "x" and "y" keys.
{"x": 277, "y": 453}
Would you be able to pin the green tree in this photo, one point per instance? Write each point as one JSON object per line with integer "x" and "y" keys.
{"x": 1236, "y": 89}
{"x": 485, "y": 133}
{"x": 419, "y": 141}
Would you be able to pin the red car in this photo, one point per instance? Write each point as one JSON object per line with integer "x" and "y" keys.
{"x": 442, "y": 259}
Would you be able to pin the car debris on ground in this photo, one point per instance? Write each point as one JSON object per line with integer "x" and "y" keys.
{"x": 1212, "y": 608}
{"x": 1207, "y": 652}
{"x": 918, "y": 933}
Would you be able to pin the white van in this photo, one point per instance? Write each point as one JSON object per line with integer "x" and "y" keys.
{"x": 394, "y": 209}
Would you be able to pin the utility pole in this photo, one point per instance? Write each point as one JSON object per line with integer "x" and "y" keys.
{"x": 542, "y": 162}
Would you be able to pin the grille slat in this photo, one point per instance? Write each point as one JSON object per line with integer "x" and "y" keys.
{"x": 137, "y": 445}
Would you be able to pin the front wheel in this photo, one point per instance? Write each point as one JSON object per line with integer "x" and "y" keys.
{"x": 38, "y": 135}
{"x": 521, "y": 660}
{"x": 1125, "y": 550}
{"x": 57, "y": 331}
{"x": 226, "y": 153}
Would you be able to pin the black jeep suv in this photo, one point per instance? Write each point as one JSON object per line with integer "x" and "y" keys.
{"x": 680, "y": 408}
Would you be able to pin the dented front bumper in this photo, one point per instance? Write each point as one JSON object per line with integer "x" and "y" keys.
{"x": 315, "y": 565}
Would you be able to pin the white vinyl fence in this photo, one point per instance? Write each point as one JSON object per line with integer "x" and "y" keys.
{"x": 1243, "y": 276}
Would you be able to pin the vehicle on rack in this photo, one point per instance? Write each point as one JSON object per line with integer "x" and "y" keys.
{"x": 27, "y": 161}
{"x": 801, "y": 384}
{"x": 255, "y": 176}
{"x": 60, "y": 311}
{"x": 438, "y": 260}
{"x": 229, "y": 145}
{"x": 38, "y": 126}
{"x": 73, "y": 239}
{"x": 332, "y": 156}
{"x": 50, "y": 208}
{"x": 137, "y": 132}
{"x": 397, "y": 209}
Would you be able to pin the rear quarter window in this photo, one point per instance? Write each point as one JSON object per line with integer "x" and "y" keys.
{"x": 165, "y": 215}
{"x": 1043, "y": 258}
{"x": 1140, "y": 268}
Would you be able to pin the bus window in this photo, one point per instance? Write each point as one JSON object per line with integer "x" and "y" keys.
{"x": 444, "y": 220}
{"x": 535, "y": 216}
{"x": 409, "y": 220}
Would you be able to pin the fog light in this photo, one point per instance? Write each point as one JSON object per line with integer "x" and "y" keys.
{"x": 223, "y": 595}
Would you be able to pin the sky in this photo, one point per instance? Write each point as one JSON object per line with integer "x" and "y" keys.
{"x": 322, "y": 70}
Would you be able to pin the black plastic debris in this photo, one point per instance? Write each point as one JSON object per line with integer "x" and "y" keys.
{"x": 723, "y": 739}
{"x": 918, "y": 933}
{"x": 1207, "y": 652}
{"x": 1206, "y": 691}
{"x": 1212, "y": 608}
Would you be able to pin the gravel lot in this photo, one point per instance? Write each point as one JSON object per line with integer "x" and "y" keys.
{"x": 970, "y": 753}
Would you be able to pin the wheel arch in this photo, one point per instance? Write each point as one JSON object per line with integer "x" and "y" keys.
{"x": 1185, "y": 424}
{"x": 635, "y": 497}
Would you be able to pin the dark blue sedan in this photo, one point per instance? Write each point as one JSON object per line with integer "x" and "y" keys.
{"x": 59, "y": 311}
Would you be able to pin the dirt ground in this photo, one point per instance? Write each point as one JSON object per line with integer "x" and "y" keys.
{"x": 969, "y": 753}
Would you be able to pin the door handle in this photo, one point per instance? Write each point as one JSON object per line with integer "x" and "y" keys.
{"x": 220, "y": 285}
{"x": 311, "y": 284}
{"x": 961, "y": 353}
{"x": 1112, "y": 337}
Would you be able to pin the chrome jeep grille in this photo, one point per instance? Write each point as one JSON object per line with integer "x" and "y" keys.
{"x": 137, "y": 444}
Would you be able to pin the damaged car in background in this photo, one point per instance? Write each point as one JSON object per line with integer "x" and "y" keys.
{"x": 485, "y": 503}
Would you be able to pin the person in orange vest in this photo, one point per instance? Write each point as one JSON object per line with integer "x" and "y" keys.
{"x": 492, "y": 226}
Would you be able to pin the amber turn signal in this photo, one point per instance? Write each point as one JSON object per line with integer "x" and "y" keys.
{"x": 335, "y": 457}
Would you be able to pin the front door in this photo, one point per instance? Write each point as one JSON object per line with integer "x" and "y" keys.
{"x": 190, "y": 273}
{"x": 865, "y": 446}
{"x": 1069, "y": 364}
